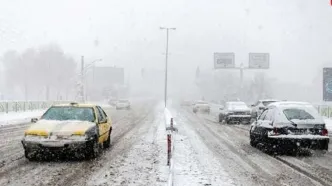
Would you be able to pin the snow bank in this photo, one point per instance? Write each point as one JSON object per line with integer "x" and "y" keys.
{"x": 19, "y": 117}
{"x": 168, "y": 116}
{"x": 194, "y": 163}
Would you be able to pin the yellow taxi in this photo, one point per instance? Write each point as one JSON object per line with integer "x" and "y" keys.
{"x": 80, "y": 129}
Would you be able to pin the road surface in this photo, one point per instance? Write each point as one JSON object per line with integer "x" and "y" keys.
{"x": 205, "y": 153}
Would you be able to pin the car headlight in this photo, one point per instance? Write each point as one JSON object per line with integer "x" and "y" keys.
{"x": 34, "y": 137}
{"x": 78, "y": 137}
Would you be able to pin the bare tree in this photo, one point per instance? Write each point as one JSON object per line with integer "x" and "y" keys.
{"x": 34, "y": 70}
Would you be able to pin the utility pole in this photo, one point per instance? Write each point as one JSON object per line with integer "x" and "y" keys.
{"x": 166, "y": 62}
{"x": 241, "y": 81}
{"x": 48, "y": 83}
{"x": 82, "y": 79}
{"x": 93, "y": 82}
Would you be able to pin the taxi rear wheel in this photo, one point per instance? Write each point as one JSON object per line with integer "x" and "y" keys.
{"x": 107, "y": 143}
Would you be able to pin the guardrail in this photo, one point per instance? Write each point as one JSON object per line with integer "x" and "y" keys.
{"x": 22, "y": 106}
{"x": 324, "y": 110}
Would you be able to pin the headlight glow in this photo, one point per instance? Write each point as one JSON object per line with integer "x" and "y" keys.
{"x": 78, "y": 137}
{"x": 34, "y": 137}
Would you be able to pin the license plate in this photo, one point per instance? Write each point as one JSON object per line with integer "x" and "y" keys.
{"x": 53, "y": 144}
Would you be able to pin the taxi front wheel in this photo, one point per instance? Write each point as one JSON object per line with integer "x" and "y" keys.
{"x": 93, "y": 149}
{"x": 30, "y": 156}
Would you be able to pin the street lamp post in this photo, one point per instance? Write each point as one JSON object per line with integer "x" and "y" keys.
{"x": 166, "y": 62}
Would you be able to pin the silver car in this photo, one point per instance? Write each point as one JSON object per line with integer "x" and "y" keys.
{"x": 201, "y": 106}
{"x": 236, "y": 111}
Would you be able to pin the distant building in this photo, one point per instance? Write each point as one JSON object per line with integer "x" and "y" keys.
{"x": 104, "y": 82}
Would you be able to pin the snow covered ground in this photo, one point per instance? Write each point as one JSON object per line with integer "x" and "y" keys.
{"x": 19, "y": 117}
{"x": 206, "y": 153}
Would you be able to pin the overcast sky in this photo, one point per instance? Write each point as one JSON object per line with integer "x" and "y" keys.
{"x": 296, "y": 33}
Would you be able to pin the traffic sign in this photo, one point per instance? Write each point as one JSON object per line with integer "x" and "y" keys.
{"x": 224, "y": 60}
{"x": 259, "y": 60}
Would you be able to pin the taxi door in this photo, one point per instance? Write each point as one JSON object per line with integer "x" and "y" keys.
{"x": 102, "y": 125}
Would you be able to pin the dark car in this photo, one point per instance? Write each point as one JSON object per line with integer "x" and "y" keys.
{"x": 236, "y": 111}
{"x": 288, "y": 126}
{"x": 201, "y": 106}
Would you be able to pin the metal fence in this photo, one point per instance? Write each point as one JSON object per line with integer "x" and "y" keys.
{"x": 325, "y": 110}
{"x": 22, "y": 106}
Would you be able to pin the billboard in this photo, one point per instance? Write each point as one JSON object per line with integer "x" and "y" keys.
{"x": 224, "y": 60}
{"x": 259, "y": 60}
{"x": 327, "y": 84}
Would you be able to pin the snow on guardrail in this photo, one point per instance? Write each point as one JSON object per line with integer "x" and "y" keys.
{"x": 13, "y": 118}
{"x": 23, "y": 106}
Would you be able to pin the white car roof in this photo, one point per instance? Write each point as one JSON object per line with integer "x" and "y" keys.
{"x": 235, "y": 102}
{"x": 268, "y": 100}
{"x": 201, "y": 102}
{"x": 289, "y": 104}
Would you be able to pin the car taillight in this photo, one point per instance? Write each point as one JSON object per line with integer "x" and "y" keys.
{"x": 325, "y": 132}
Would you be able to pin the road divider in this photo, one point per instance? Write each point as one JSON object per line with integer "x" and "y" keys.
{"x": 171, "y": 134}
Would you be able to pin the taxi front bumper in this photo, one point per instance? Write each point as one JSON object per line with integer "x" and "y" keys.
{"x": 56, "y": 146}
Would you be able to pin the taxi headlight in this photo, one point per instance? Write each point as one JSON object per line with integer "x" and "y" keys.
{"x": 78, "y": 137}
{"x": 34, "y": 137}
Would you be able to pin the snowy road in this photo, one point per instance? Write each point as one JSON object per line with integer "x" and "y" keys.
{"x": 206, "y": 153}
{"x": 223, "y": 152}
{"x": 129, "y": 161}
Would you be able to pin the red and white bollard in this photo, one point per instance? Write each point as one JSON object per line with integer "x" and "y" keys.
{"x": 169, "y": 148}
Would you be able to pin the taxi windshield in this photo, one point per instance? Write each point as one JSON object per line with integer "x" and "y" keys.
{"x": 69, "y": 113}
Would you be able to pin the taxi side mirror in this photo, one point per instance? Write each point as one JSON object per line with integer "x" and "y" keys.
{"x": 34, "y": 120}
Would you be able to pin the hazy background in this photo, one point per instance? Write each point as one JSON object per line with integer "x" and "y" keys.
{"x": 296, "y": 33}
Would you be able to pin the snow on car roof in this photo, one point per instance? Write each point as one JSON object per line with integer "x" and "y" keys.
{"x": 75, "y": 104}
{"x": 236, "y": 102}
{"x": 268, "y": 100}
{"x": 289, "y": 104}
{"x": 201, "y": 102}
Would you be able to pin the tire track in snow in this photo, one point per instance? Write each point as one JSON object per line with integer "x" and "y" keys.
{"x": 78, "y": 174}
{"x": 314, "y": 175}
{"x": 78, "y": 177}
{"x": 136, "y": 165}
{"x": 231, "y": 139}
{"x": 318, "y": 173}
